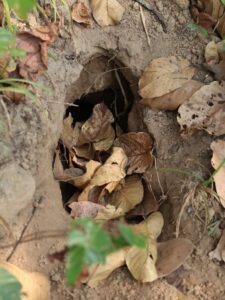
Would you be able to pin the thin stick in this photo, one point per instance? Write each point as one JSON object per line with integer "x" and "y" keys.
{"x": 7, "y": 115}
{"x": 153, "y": 10}
{"x": 63, "y": 103}
{"x": 144, "y": 25}
{"x": 24, "y": 230}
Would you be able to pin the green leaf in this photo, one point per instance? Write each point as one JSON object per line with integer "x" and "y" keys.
{"x": 76, "y": 238}
{"x": 10, "y": 288}
{"x": 132, "y": 239}
{"x": 223, "y": 2}
{"x": 17, "y": 53}
{"x": 22, "y": 7}
{"x": 74, "y": 264}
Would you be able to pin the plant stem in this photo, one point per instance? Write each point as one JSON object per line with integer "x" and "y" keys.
{"x": 7, "y": 14}
{"x": 210, "y": 180}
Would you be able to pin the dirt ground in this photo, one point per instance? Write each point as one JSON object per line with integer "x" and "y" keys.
{"x": 78, "y": 65}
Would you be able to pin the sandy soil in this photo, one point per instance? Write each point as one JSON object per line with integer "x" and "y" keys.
{"x": 36, "y": 128}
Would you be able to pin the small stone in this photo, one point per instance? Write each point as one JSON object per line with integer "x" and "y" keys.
{"x": 159, "y": 5}
{"x": 136, "y": 6}
{"x": 181, "y": 19}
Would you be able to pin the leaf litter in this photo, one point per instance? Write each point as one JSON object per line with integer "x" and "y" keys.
{"x": 111, "y": 187}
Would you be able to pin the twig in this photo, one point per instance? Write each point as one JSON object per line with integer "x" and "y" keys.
{"x": 24, "y": 230}
{"x": 63, "y": 103}
{"x": 144, "y": 25}
{"x": 7, "y": 115}
{"x": 153, "y": 10}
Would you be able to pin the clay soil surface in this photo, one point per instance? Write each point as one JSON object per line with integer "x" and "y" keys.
{"x": 27, "y": 152}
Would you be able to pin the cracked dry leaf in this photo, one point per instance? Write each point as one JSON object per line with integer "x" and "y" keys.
{"x": 98, "y": 127}
{"x": 151, "y": 227}
{"x": 218, "y": 148}
{"x": 164, "y": 75}
{"x": 173, "y": 100}
{"x": 137, "y": 147}
{"x": 148, "y": 205}
{"x": 36, "y": 59}
{"x": 107, "y": 12}
{"x": 79, "y": 13}
{"x": 141, "y": 262}
{"x": 85, "y": 209}
{"x": 129, "y": 195}
{"x": 172, "y": 254}
{"x": 204, "y": 110}
{"x": 91, "y": 168}
{"x": 101, "y": 272}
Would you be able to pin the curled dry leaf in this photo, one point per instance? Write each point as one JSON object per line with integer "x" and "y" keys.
{"x": 70, "y": 134}
{"x": 212, "y": 13}
{"x": 106, "y": 144}
{"x": 137, "y": 147}
{"x": 98, "y": 127}
{"x": 172, "y": 254}
{"x": 91, "y": 168}
{"x": 101, "y": 272}
{"x": 164, "y": 75}
{"x": 107, "y": 12}
{"x": 218, "y": 148}
{"x": 85, "y": 209}
{"x": 36, "y": 59}
{"x": 80, "y": 13}
{"x": 128, "y": 196}
{"x": 141, "y": 262}
{"x": 173, "y": 100}
{"x": 151, "y": 227}
{"x": 205, "y": 110}
{"x": 148, "y": 205}
{"x": 48, "y": 33}
{"x": 219, "y": 252}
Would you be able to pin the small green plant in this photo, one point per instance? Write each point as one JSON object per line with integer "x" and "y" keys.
{"x": 88, "y": 243}
{"x": 10, "y": 288}
{"x": 199, "y": 28}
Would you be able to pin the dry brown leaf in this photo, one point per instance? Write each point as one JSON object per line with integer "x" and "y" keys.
{"x": 36, "y": 60}
{"x": 148, "y": 205}
{"x": 85, "y": 209}
{"x": 106, "y": 144}
{"x": 109, "y": 213}
{"x": 64, "y": 175}
{"x": 91, "y": 169}
{"x": 85, "y": 151}
{"x": 219, "y": 252}
{"x": 164, "y": 75}
{"x": 218, "y": 148}
{"x": 128, "y": 196}
{"x": 141, "y": 262}
{"x": 151, "y": 227}
{"x": 107, "y": 12}
{"x": 97, "y": 127}
{"x": 1, "y": 13}
{"x": 101, "y": 272}
{"x": 137, "y": 147}
{"x": 113, "y": 170}
{"x": 69, "y": 134}
{"x": 48, "y": 33}
{"x": 211, "y": 53}
{"x": 172, "y": 254}
{"x": 80, "y": 13}
{"x": 173, "y": 100}
{"x": 205, "y": 110}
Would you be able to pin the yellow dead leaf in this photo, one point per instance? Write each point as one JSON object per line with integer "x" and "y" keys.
{"x": 128, "y": 196}
{"x": 205, "y": 110}
{"x": 218, "y": 148}
{"x": 35, "y": 286}
{"x": 141, "y": 262}
{"x": 109, "y": 213}
{"x": 100, "y": 272}
{"x": 150, "y": 227}
{"x": 173, "y": 100}
{"x": 91, "y": 168}
{"x": 164, "y": 75}
{"x": 107, "y": 12}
